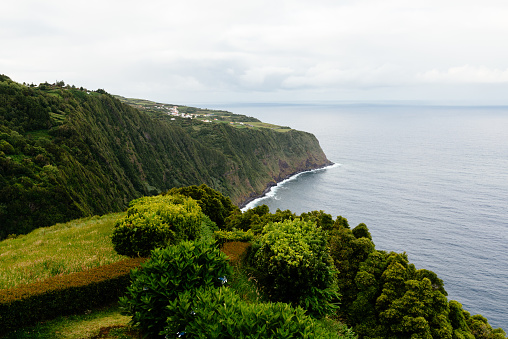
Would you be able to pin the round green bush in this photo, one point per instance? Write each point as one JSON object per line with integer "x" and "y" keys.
{"x": 156, "y": 222}
{"x": 221, "y": 313}
{"x": 170, "y": 272}
{"x": 293, "y": 265}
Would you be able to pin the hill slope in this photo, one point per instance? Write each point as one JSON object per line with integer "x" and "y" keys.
{"x": 67, "y": 153}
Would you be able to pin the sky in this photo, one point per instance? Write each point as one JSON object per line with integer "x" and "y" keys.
{"x": 277, "y": 51}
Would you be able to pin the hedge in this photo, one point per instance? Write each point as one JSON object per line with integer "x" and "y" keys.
{"x": 222, "y": 237}
{"x": 63, "y": 295}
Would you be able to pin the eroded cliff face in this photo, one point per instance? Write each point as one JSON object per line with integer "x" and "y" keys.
{"x": 67, "y": 154}
{"x": 291, "y": 153}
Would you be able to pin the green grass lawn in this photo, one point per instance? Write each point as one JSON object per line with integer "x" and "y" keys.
{"x": 63, "y": 248}
{"x": 89, "y": 325}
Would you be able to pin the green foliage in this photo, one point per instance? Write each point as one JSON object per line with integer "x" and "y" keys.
{"x": 4, "y": 77}
{"x": 348, "y": 252}
{"x": 170, "y": 272}
{"x": 63, "y": 295}
{"x": 256, "y": 218}
{"x": 458, "y": 318}
{"x": 320, "y": 218}
{"x": 253, "y": 218}
{"x": 156, "y": 222}
{"x": 208, "y": 227}
{"x": 393, "y": 299}
{"x": 67, "y": 153}
{"x": 6, "y": 147}
{"x": 481, "y": 329}
{"x": 213, "y": 203}
{"x": 221, "y": 313}
{"x": 292, "y": 265}
{"x": 237, "y": 235}
{"x": 361, "y": 231}
{"x": 340, "y": 222}
{"x": 105, "y": 153}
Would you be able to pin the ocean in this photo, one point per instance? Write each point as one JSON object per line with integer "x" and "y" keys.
{"x": 431, "y": 181}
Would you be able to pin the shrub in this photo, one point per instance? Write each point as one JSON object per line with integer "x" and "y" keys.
{"x": 213, "y": 203}
{"x": 293, "y": 265}
{"x": 221, "y": 313}
{"x": 223, "y": 237}
{"x": 208, "y": 228}
{"x": 169, "y": 272}
{"x": 62, "y": 295}
{"x": 348, "y": 250}
{"x": 156, "y": 222}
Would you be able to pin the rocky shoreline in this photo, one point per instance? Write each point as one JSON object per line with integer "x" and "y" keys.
{"x": 274, "y": 183}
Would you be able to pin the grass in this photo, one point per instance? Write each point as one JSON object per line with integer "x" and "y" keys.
{"x": 267, "y": 125}
{"x": 58, "y": 117}
{"x": 40, "y": 134}
{"x": 102, "y": 323}
{"x": 60, "y": 249}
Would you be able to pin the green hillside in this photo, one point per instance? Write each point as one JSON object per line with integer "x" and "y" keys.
{"x": 67, "y": 152}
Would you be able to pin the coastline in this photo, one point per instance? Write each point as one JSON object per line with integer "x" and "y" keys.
{"x": 245, "y": 205}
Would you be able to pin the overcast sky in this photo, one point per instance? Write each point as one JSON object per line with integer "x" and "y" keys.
{"x": 202, "y": 51}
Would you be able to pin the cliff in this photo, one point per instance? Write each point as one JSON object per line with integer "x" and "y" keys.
{"x": 67, "y": 153}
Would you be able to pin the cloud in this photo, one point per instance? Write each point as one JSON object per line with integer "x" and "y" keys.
{"x": 256, "y": 49}
{"x": 330, "y": 75}
{"x": 465, "y": 75}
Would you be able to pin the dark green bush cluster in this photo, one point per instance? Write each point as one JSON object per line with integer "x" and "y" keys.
{"x": 156, "y": 222}
{"x": 213, "y": 203}
{"x": 293, "y": 265}
{"x": 385, "y": 296}
{"x": 256, "y": 218}
{"x": 170, "y": 272}
{"x": 63, "y": 295}
{"x": 221, "y": 313}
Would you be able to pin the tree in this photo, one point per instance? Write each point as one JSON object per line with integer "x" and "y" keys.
{"x": 293, "y": 265}
{"x": 213, "y": 203}
{"x": 396, "y": 300}
{"x": 348, "y": 252}
{"x": 322, "y": 219}
{"x": 158, "y": 221}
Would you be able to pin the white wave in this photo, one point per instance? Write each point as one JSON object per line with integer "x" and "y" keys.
{"x": 272, "y": 193}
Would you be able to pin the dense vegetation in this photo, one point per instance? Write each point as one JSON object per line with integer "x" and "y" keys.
{"x": 153, "y": 222}
{"x": 170, "y": 272}
{"x": 383, "y": 295}
{"x": 66, "y": 152}
{"x": 183, "y": 290}
{"x": 286, "y": 285}
{"x": 308, "y": 262}
{"x": 293, "y": 265}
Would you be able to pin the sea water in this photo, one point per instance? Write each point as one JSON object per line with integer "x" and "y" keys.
{"x": 431, "y": 181}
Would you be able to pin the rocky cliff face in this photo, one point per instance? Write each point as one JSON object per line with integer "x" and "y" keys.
{"x": 67, "y": 153}
{"x": 258, "y": 159}
{"x": 282, "y": 164}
